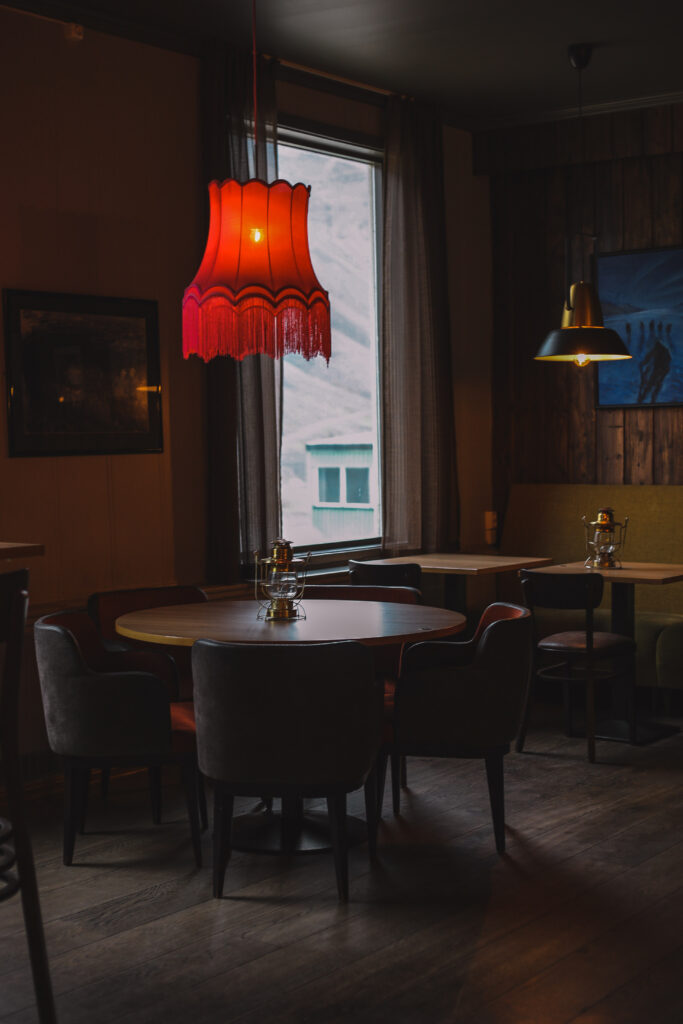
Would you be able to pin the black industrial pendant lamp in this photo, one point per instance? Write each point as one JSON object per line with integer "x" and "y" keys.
{"x": 583, "y": 337}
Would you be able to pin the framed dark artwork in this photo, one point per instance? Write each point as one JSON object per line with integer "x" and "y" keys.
{"x": 83, "y": 374}
{"x": 641, "y": 294}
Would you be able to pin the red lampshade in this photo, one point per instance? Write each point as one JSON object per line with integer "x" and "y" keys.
{"x": 256, "y": 290}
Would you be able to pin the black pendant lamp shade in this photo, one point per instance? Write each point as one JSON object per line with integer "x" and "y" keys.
{"x": 583, "y": 338}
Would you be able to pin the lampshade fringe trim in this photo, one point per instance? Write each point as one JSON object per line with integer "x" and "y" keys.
{"x": 217, "y": 328}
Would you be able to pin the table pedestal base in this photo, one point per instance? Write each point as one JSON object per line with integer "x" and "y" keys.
{"x": 274, "y": 832}
{"x": 617, "y": 729}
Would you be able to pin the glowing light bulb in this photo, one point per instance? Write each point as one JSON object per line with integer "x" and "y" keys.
{"x": 581, "y": 359}
{"x": 256, "y": 234}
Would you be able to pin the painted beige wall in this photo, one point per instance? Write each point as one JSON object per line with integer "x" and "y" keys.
{"x": 101, "y": 194}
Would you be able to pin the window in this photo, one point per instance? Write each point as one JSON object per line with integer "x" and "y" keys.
{"x": 357, "y": 486}
{"x": 330, "y": 451}
{"x": 328, "y": 483}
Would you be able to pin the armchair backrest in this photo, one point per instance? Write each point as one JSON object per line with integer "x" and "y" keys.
{"x": 286, "y": 715}
{"x": 105, "y": 606}
{"x": 347, "y": 592}
{"x": 567, "y": 591}
{"x": 387, "y": 657}
{"x": 399, "y": 574}
{"x": 84, "y": 633}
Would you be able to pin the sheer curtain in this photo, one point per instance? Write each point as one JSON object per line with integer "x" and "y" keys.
{"x": 243, "y": 398}
{"x": 419, "y": 473}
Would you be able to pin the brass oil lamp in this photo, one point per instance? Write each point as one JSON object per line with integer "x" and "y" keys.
{"x": 604, "y": 537}
{"x": 280, "y": 581}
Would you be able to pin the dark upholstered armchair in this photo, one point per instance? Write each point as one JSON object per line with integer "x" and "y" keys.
{"x": 464, "y": 700}
{"x": 17, "y": 870}
{"x": 107, "y": 708}
{"x": 105, "y": 607}
{"x": 290, "y": 720}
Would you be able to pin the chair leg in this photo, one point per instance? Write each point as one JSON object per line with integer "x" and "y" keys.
{"x": 590, "y": 717}
{"x": 382, "y": 759}
{"x": 73, "y": 806}
{"x": 494, "y": 777}
{"x": 404, "y": 771}
{"x": 632, "y": 705}
{"x": 396, "y": 783}
{"x": 154, "y": 773}
{"x": 201, "y": 796}
{"x": 34, "y": 924}
{"x": 336, "y": 809}
{"x": 222, "y": 837}
{"x": 568, "y": 703}
{"x": 371, "y": 812}
{"x": 524, "y": 724}
{"x": 85, "y": 793}
{"x": 189, "y": 771}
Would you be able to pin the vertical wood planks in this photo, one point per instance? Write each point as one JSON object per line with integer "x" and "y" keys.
{"x": 610, "y": 463}
{"x": 631, "y": 195}
{"x": 638, "y": 234}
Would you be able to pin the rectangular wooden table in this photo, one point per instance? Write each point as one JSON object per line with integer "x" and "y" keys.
{"x": 456, "y": 567}
{"x": 19, "y": 549}
{"x": 624, "y": 580}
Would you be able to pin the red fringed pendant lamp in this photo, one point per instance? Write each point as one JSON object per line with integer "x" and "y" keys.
{"x": 256, "y": 290}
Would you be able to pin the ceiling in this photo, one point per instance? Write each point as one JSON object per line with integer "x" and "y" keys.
{"x": 487, "y": 62}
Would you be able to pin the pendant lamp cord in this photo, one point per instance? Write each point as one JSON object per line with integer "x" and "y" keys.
{"x": 254, "y": 85}
{"x": 582, "y": 157}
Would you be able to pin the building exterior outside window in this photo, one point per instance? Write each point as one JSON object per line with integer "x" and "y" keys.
{"x": 347, "y": 511}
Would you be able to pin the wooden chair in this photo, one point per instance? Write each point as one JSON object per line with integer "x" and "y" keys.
{"x": 464, "y": 700}
{"x": 19, "y": 855}
{"x": 104, "y": 607}
{"x": 291, "y": 720}
{"x": 371, "y": 574}
{"x": 583, "y": 653}
{"x": 112, "y": 708}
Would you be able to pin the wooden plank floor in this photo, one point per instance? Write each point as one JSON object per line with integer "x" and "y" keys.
{"x": 581, "y": 919}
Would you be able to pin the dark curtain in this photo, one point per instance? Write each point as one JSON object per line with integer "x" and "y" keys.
{"x": 419, "y": 472}
{"x": 242, "y": 397}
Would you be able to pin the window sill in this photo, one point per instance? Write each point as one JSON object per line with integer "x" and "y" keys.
{"x": 335, "y": 558}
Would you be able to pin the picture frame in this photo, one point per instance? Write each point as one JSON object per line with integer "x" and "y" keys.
{"x": 641, "y": 294}
{"x": 83, "y": 374}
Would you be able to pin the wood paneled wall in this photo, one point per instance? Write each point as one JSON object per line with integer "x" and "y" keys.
{"x": 101, "y": 194}
{"x": 623, "y": 182}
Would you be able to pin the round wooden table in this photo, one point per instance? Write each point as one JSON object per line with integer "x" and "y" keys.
{"x": 294, "y": 830}
{"x": 370, "y": 622}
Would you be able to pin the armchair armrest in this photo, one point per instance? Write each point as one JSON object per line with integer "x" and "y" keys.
{"x": 438, "y": 654}
{"x": 159, "y": 663}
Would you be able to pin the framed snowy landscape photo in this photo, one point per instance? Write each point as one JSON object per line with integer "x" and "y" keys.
{"x": 641, "y": 294}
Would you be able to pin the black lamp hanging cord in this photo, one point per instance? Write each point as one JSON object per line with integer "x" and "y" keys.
{"x": 579, "y": 58}
{"x": 582, "y": 338}
{"x": 254, "y": 84}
